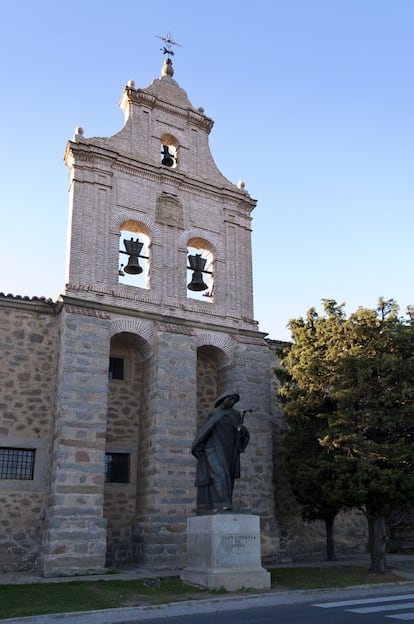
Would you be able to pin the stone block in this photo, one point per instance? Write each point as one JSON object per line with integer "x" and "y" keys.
{"x": 224, "y": 552}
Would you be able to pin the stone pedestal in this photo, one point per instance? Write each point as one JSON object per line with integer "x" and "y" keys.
{"x": 224, "y": 552}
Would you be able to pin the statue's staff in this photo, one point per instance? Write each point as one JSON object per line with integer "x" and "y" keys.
{"x": 236, "y": 450}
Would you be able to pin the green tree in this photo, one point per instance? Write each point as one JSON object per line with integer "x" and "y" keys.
{"x": 352, "y": 380}
{"x": 311, "y": 473}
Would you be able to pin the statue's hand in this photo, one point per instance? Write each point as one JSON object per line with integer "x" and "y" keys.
{"x": 198, "y": 452}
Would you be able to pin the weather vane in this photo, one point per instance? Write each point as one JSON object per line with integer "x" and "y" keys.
{"x": 168, "y": 43}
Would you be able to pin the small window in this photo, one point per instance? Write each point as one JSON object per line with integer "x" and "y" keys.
{"x": 17, "y": 463}
{"x": 116, "y": 467}
{"x": 116, "y": 368}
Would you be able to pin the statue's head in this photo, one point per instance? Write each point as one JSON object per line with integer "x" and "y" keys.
{"x": 227, "y": 395}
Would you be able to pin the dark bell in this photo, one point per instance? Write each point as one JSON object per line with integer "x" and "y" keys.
{"x": 133, "y": 267}
{"x": 133, "y": 249}
{"x": 197, "y": 283}
{"x": 168, "y": 160}
{"x": 197, "y": 264}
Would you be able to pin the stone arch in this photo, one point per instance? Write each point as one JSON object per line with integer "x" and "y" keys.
{"x": 223, "y": 345}
{"x": 141, "y": 335}
{"x": 196, "y": 235}
{"x": 125, "y": 217}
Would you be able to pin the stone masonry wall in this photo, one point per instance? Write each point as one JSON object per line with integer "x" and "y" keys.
{"x": 169, "y": 470}
{"x": 206, "y": 383}
{"x": 75, "y": 533}
{"x": 255, "y": 489}
{"x": 28, "y": 337}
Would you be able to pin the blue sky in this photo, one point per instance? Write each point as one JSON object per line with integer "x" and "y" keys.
{"x": 313, "y": 102}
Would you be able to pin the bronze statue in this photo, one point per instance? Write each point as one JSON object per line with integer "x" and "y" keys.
{"x": 217, "y": 447}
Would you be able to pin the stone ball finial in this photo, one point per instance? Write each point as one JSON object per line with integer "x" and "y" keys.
{"x": 240, "y": 184}
{"x": 167, "y": 68}
{"x": 79, "y": 131}
{"x": 131, "y": 83}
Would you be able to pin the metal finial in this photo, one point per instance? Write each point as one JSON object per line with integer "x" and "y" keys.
{"x": 168, "y": 43}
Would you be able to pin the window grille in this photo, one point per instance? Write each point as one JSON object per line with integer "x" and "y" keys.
{"x": 116, "y": 368}
{"x": 116, "y": 468}
{"x": 17, "y": 463}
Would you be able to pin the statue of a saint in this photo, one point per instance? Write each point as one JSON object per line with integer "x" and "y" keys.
{"x": 217, "y": 447}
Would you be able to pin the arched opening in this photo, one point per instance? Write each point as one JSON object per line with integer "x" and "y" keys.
{"x": 200, "y": 265}
{"x": 212, "y": 378}
{"x": 134, "y": 252}
{"x": 125, "y": 445}
{"x": 169, "y": 151}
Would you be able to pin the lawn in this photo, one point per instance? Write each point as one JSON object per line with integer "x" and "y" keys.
{"x": 43, "y": 598}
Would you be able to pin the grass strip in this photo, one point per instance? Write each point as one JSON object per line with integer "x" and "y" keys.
{"x": 74, "y": 596}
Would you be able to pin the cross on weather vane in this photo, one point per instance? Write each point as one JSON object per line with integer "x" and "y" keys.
{"x": 168, "y": 43}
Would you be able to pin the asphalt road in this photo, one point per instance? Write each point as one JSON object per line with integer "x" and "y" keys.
{"x": 373, "y": 610}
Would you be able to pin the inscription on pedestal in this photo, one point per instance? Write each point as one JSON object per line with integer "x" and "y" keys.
{"x": 224, "y": 552}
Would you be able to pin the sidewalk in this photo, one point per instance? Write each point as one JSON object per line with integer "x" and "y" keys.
{"x": 403, "y": 565}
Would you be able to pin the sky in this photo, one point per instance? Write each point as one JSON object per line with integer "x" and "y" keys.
{"x": 313, "y": 103}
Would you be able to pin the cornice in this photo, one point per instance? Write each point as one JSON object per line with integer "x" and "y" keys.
{"x": 141, "y": 97}
{"x": 182, "y": 325}
{"x": 84, "y": 152}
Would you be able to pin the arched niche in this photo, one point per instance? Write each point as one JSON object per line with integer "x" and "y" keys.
{"x": 212, "y": 366}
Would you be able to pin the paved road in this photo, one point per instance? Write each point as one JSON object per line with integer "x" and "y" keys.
{"x": 372, "y": 610}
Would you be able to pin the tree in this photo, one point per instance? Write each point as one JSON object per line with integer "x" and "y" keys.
{"x": 311, "y": 474}
{"x": 311, "y": 468}
{"x": 353, "y": 380}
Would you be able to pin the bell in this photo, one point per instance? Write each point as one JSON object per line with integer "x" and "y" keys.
{"x": 133, "y": 249}
{"x": 197, "y": 264}
{"x": 197, "y": 283}
{"x": 168, "y": 160}
{"x": 133, "y": 267}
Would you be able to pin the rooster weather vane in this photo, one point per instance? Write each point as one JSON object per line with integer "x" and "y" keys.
{"x": 168, "y": 43}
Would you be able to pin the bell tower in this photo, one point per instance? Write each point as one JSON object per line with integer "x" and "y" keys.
{"x": 155, "y": 186}
{"x": 156, "y": 322}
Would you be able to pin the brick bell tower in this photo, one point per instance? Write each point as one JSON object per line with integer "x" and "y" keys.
{"x": 156, "y": 322}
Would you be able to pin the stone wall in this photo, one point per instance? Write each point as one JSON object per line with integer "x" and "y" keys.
{"x": 28, "y": 339}
{"x": 173, "y": 376}
{"x": 74, "y": 539}
{"x": 168, "y": 471}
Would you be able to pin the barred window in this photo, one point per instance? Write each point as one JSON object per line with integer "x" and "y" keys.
{"x": 17, "y": 463}
{"x": 116, "y": 368}
{"x": 116, "y": 467}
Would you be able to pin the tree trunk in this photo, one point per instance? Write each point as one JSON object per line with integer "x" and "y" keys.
{"x": 330, "y": 538}
{"x": 377, "y": 541}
